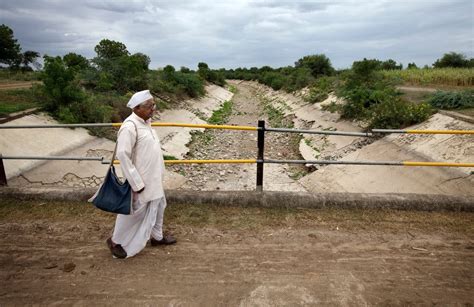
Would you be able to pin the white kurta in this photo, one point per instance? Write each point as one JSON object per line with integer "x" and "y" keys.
{"x": 147, "y": 168}
{"x": 144, "y": 169}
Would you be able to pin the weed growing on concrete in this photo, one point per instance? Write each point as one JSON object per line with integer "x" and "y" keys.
{"x": 221, "y": 115}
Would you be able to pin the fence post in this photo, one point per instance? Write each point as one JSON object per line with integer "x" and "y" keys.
{"x": 260, "y": 145}
{"x": 3, "y": 177}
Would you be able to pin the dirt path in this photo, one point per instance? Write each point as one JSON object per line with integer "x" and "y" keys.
{"x": 417, "y": 89}
{"x": 18, "y": 84}
{"x": 54, "y": 253}
{"x": 231, "y": 144}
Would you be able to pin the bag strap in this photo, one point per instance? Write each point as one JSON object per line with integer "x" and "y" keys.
{"x": 116, "y": 143}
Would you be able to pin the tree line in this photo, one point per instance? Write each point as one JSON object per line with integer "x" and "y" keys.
{"x": 11, "y": 54}
{"x": 77, "y": 89}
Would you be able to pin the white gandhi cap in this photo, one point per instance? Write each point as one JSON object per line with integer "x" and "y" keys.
{"x": 139, "y": 98}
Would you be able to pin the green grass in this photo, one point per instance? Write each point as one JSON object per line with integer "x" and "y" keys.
{"x": 246, "y": 218}
{"x": 276, "y": 116}
{"x": 221, "y": 115}
{"x": 169, "y": 157}
{"x": 11, "y": 76}
{"x": 204, "y": 138}
{"x": 12, "y": 101}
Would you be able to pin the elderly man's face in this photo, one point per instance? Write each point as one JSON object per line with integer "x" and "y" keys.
{"x": 146, "y": 109}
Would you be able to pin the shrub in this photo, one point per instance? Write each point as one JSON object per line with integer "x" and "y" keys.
{"x": 178, "y": 83}
{"x": 193, "y": 86}
{"x": 298, "y": 79}
{"x": 273, "y": 79}
{"x": 453, "y": 100}
{"x": 360, "y": 99}
{"x": 221, "y": 115}
{"x": 375, "y": 101}
{"x": 61, "y": 87}
{"x": 394, "y": 114}
{"x": 117, "y": 103}
{"x": 212, "y": 76}
{"x": 320, "y": 90}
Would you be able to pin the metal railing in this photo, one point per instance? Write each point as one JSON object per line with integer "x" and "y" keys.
{"x": 260, "y": 161}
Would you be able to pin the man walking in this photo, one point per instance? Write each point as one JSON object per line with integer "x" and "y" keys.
{"x": 141, "y": 160}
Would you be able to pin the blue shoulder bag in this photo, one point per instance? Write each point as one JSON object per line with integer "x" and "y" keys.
{"x": 113, "y": 195}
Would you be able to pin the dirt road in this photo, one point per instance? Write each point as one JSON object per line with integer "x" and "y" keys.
{"x": 17, "y": 85}
{"x": 55, "y": 253}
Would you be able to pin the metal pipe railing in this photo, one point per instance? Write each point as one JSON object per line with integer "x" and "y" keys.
{"x": 326, "y": 162}
{"x": 391, "y": 163}
{"x": 249, "y": 128}
{"x": 235, "y": 161}
{"x": 8, "y": 157}
{"x": 342, "y": 133}
{"x": 423, "y": 131}
{"x": 116, "y": 125}
{"x": 260, "y": 145}
{"x": 56, "y": 126}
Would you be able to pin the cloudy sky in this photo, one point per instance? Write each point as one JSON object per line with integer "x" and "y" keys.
{"x": 240, "y": 33}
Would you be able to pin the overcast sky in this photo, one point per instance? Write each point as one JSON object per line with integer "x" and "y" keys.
{"x": 239, "y": 33}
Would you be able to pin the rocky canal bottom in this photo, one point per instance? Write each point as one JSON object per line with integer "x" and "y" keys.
{"x": 247, "y": 109}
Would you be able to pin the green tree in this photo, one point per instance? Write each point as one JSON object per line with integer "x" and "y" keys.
{"x": 319, "y": 64}
{"x": 263, "y": 69}
{"x": 364, "y": 86}
{"x": 117, "y": 69}
{"x": 141, "y": 59}
{"x": 412, "y": 66}
{"x": 10, "y": 51}
{"x": 168, "y": 73}
{"x": 108, "y": 49}
{"x": 203, "y": 70}
{"x": 207, "y": 74}
{"x": 59, "y": 84}
{"x": 391, "y": 65}
{"x": 452, "y": 59}
{"x": 202, "y": 65}
{"x": 29, "y": 57}
{"x": 365, "y": 71}
{"x": 76, "y": 61}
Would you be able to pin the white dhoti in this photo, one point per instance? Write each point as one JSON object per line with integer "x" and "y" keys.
{"x": 133, "y": 231}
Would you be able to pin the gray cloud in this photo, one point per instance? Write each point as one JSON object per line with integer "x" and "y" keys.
{"x": 300, "y": 6}
{"x": 247, "y": 33}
